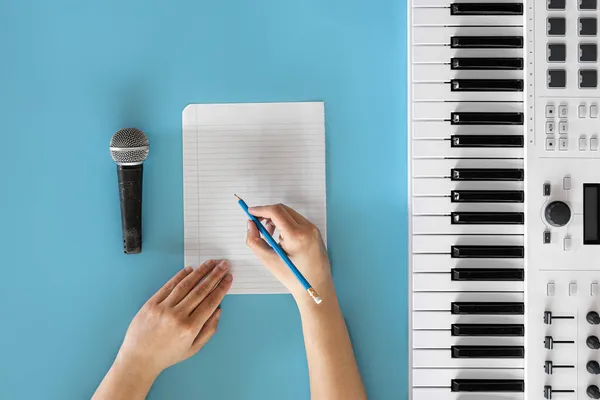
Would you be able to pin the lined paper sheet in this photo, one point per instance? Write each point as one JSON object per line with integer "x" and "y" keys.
{"x": 267, "y": 153}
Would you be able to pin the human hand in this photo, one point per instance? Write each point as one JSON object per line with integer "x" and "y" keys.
{"x": 301, "y": 241}
{"x": 179, "y": 319}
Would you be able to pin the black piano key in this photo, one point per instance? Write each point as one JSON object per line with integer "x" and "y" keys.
{"x": 486, "y": 118}
{"x": 486, "y": 85}
{"x": 487, "y": 174}
{"x": 488, "y": 385}
{"x": 487, "y": 274}
{"x": 483, "y": 251}
{"x": 487, "y": 351}
{"x": 486, "y": 42}
{"x": 487, "y": 218}
{"x": 486, "y": 141}
{"x": 486, "y": 9}
{"x": 486, "y": 63}
{"x": 487, "y": 308}
{"x": 487, "y": 196}
{"x": 497, "y": 330}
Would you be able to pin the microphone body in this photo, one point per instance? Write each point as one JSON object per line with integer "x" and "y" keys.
{"x": 130, "y": 194}
{"x": 129, "y": 149}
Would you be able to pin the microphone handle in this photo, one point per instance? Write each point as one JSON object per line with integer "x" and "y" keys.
{"x": 130, "y": 193}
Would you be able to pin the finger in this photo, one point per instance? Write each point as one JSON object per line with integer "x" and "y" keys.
{"x": 168, "y": 287}
{"x": 205, "y": 309}
{"x": 187, "y": 284}
{"x": 203, "y": 289}
{"x": 207, "y": 331}
{"x": 270, "y": 227}
{"x": 299, "y": 218}
{"x": 276, "y": 213}
{"x": 257, "y": 244}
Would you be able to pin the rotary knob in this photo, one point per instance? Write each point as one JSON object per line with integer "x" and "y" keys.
{"x": 557, "y": 213}
{"x": 593, "y": 367}
{"x": 593, "y": 392}
{"x": 593, "y": 342}
{"x": 593, "y": 318}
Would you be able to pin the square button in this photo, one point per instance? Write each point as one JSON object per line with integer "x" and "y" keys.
{"x": 563, "y": 111}
{"x": 588, "y": 26}
{"x": 562, "y": 127}
{"x": 587, "y": 4}
{"x": 582, "y": 111}
{"x": 588, "y": 52}
{"x": 549, "y": 111}
{"x": 550, "y": 144}
{"x": 557, "y": 78}
{"x": 563, "y": 144}
{"x": 557, "y": 4}
{"x": 593, "y": 111}
{"x": 550, "y": 128}
{"x": 557, "y": 52}
{"x": 594, "y": 144}
{"x": 588, "y": 78}
{"x": 557, "y": 26}
{"x": 582, "y": 143}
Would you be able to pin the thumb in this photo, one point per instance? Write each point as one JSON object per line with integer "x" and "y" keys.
{"x": 258, "y": 245}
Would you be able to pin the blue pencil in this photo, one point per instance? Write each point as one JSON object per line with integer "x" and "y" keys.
{"x": 312, "y": 292}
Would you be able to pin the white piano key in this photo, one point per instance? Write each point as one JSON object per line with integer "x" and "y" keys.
{"x": 422, "y": 168}
{"x": 429, "y": 377}
{"x": 432, "y": 393}
{"x": 429, "y": 91}
{"x": 441, "y": 17}
{"x": 443, "y": 206}
{"x": 443, "y": 73}
{"x": 440, "y": 130}
{"x": 447, "y": 3}
{"x": 423, "y": 54}
{"x": 441, "y": 110}
{"x": 434, "y": 320}
{"x": 444, "y": 263}
{"x": 443, "y": 186}
{"x": 426, "y": 339}
{"x": 440, "y": 225}
{"x": 442, "y": 243}
{"x": 427, "y": 358}
{"x": 441, "y": 301}
{"x": 441, "y": 282}
{"x": 441, "y": 35}
{"x": 443, "y": 149}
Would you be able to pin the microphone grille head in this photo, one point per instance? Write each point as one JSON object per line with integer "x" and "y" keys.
{"x": 129, "y": 146}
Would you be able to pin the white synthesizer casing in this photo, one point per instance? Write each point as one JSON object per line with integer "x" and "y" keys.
{"x": 560, "y": 232}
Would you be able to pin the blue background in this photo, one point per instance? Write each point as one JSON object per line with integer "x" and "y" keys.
{"x": 74, "y": 72}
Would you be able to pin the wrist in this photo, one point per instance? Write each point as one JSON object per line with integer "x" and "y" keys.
{"x": 135, "y": 367}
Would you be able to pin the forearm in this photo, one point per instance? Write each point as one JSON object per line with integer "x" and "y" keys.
{"x": 332, "y": 366}
{"x": 125, "y": 381}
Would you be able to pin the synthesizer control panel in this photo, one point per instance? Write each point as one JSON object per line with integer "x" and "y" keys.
{"x": 504, "y": 168}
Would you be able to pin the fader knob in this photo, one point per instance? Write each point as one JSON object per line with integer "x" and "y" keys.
{"x": 593, "y": 392}
{"x": 593, "y": 318}
{"x": 557, "y": 213}
{"x": 593, "y": 342}
{"x": 593, "y": 367}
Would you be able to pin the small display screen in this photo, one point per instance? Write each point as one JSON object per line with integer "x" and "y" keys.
{"x": 591, "y": 214}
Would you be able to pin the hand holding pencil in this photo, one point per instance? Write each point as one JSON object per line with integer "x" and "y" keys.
{"x": 301, "y": 241}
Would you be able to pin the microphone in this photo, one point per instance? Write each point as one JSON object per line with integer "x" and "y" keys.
{"x": 129, "y": 149}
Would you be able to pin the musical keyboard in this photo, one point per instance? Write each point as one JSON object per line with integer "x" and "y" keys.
{"x": 504, "y": 175}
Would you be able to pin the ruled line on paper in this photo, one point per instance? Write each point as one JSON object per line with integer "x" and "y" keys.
{"x": 265, "y": 152}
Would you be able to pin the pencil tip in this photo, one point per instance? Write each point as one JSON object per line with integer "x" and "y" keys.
{"x": 238, "y": 197}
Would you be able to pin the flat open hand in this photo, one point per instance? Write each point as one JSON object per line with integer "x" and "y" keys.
{"x": 179, "y": 319}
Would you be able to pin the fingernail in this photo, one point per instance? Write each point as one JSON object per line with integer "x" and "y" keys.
{"x": 188, "y": 269}
{"x": 223, "y": 265}
{"x": 228, "y": 278}
{"x": 248, "y": 224}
